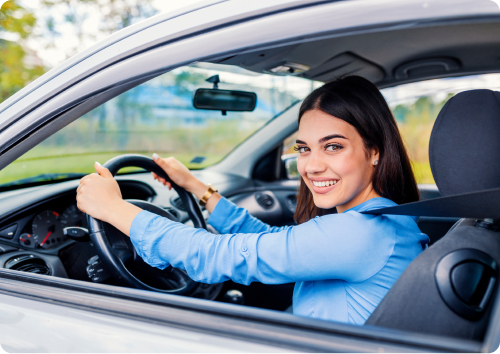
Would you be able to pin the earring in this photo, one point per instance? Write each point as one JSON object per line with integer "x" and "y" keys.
{"x": 375, "y": 163}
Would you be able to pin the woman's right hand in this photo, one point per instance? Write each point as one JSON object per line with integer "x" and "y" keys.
{"x": 180, "y": 175}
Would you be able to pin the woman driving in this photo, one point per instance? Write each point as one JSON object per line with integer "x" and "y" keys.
{"x": 351, "y": 159}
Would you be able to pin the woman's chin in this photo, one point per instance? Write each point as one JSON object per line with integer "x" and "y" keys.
{"x": 324, "y": 202}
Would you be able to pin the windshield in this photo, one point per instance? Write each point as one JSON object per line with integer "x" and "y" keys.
{"x": 158, "y": 116}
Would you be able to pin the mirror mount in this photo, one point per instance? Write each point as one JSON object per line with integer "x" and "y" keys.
{"x": 214, "y": 80}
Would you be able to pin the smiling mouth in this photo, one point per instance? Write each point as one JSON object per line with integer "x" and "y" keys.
{"x": 324, "y": 183}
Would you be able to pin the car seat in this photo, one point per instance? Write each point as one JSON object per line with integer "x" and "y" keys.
{"x": 449, "y": 288}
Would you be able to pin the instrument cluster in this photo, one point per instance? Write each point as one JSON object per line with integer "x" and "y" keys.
{"x": 46, "y": 229}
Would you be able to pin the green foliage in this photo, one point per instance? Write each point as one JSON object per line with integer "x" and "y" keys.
{"x": 16, "y": 19}
{"x": 15, "y": 72}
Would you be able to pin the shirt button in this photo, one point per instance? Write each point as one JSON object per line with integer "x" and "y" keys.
{"x": 244, "y": 249}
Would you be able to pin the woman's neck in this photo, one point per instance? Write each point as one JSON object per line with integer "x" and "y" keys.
{"x": 360, "y": 198}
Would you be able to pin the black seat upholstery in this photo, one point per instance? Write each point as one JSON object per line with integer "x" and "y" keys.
{"x": 449, "y": 288}
{"x": 414, "y": 303}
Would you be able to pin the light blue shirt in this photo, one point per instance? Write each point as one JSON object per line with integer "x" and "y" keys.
{"x": 342, "y": 264}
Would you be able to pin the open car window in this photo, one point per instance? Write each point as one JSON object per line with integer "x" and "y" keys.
{"x": 159, "y": 116}
{"x": 417, "y": 105}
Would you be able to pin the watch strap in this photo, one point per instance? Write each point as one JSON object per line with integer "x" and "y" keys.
{"x": 211, "y": 190}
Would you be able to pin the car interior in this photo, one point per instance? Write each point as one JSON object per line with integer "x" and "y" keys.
{"x": 419, "y": 70}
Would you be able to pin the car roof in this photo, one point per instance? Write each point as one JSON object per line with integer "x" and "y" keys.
{"x": 463, "y": 46}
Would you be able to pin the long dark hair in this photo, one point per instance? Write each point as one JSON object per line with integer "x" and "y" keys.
{"x": 358, "y": 102}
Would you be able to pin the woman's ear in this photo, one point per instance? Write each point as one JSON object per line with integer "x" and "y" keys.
{"x": 375, "y": 157}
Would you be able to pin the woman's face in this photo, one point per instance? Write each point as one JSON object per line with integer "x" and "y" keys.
{"x": 333, "y": 162}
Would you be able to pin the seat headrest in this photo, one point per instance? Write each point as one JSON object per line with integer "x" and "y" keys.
{"x": 464, "y": 149}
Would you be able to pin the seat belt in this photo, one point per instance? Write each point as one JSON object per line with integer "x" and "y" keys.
{"x": 479, "y": 205}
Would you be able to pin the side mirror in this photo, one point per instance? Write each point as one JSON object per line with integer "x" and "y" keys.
{"x": 224, "y": 100}
{"x": 290, "y": 166}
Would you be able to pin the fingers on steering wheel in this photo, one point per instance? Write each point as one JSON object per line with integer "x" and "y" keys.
{"x": 162, "y": 180}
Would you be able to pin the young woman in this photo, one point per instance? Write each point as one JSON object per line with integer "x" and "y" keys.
{"x": 352, "y": 159}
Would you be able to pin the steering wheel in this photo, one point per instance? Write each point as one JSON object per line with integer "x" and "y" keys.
{"x": 115, "y": 249}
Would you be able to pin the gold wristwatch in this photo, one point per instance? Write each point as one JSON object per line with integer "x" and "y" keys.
{"x": 211, "y": 190}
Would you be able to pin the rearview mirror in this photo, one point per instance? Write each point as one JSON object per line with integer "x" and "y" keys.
{"x": 224, "y": 100}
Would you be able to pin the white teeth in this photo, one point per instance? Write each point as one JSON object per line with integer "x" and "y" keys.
{"x": 324, "y": 183}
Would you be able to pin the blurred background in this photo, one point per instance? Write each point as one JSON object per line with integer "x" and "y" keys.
{"x": 37, "y": 35}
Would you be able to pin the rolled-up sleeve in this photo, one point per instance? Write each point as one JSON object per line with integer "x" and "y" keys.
{"x": 228, "y": 218}
{"x": 140, "y": 235}
{"x": 341, "y": 246}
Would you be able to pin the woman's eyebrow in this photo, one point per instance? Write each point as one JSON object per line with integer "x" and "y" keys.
{"x": 323, "y": 139}
{"x": 333, "y": 136}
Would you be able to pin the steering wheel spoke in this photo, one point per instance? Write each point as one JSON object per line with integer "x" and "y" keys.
{"x": 124, "y": 254}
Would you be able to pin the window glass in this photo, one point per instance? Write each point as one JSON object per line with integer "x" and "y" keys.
{"x": 158, "y": 116}
{"x": 416, "y": 106}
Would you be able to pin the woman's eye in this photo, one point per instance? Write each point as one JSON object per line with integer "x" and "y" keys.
{"x": 301, "y": 149}
{"x": 333, "y": 147}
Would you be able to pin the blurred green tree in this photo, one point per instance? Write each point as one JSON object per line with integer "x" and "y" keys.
{"x": 18, "y": 65}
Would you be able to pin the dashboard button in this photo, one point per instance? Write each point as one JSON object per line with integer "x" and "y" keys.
{"x": 8, "y": 232}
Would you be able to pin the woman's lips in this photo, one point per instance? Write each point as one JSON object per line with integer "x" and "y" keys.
{"x": 332, "y": 183}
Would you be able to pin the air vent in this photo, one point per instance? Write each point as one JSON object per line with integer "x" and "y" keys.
{"x": 29, "y": 264}
{"x": 177, "y": 202}
{"x": 264, "y": 200}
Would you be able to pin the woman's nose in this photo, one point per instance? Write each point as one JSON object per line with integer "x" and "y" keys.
{"x": 315, "y": 163}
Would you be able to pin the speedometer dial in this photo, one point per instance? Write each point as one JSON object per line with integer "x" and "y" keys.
{"x": 72, "y": 216}
{"x": 47, "y": 229}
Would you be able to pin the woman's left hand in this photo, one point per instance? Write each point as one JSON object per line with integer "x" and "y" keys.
{"x": 99, "y": 194}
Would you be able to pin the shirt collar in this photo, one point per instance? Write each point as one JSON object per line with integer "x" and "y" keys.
{"x": 373, "y": 203}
